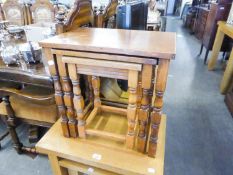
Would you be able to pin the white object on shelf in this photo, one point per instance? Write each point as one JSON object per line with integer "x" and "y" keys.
{"x": 39, "y": 31}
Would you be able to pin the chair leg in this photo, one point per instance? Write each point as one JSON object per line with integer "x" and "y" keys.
{"x": 11, "y": 125}
{"x": 201, "y": 49}
{"x": 206, "y": 56}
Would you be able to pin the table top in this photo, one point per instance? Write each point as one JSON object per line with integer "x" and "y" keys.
{"x": 226, "y": 28}
{"x": 116, "y": 41}
{"x": 113, "y": 159}
{"x": 35, "y": 74}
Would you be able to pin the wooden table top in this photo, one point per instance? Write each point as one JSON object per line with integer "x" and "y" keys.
{"x": 113, "y": 158}
{"x": 226, "y": 28}
{"x": 32, "y": 74}
{"x": 116, "y": 41}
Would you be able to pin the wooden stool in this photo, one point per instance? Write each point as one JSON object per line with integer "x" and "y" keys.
{"x": 110, "y": 69}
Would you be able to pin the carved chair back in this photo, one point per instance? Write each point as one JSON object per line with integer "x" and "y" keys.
{"x": 14, "y": 12}
{"x": 43, "y": 11}
{"x": 103, "y": 17}
{"x": 110, "y": 10}
{"x": 80, "y": 15}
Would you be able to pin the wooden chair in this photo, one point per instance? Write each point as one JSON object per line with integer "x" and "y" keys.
{"x": 33, "y": 105}
{"x": 103, "y": 17}
{"x": 14, "y": 12}
{"x": 80, "y": 15}
{"x": 42, "y": 11}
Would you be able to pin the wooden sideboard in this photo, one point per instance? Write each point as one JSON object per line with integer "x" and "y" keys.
{"x": 34, "y": 74}
{"x": 218, "y": 12}
{"x": 200, "y": 21}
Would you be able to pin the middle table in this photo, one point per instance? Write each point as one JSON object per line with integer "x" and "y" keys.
{"x": 136, "y": 56}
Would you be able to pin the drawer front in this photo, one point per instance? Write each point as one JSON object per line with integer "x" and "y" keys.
{"x": 75, "y": 168}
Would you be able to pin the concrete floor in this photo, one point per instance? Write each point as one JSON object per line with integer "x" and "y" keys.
{"x": 199, "y": 127}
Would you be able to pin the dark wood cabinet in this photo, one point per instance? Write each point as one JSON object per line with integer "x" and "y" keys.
{"x": 200, "y": 22}
{"x": 218, "y": 12}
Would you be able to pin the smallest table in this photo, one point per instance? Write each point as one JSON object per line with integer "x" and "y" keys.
{"x": 223, "y": 29}
{"x": 70, "y": 156}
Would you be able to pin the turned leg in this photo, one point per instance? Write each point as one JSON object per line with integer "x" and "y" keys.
{"x": 54, "y": 70}
{"x": 78, "y": 99}
{"x": 11, "y": 125}
{"x": 132, "y": 108}
{"x": 68, "y": 97}
{"x": 96, "y": 88}
{"x": 145, "y": 107}
{"x": 61, "y": 106}
{"x": 156, "y": 114}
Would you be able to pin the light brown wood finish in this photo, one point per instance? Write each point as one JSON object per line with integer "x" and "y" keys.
{"x": 216, "y": 48}
{"x": 116, "y": 41}
{"x": 68, "y": 96}
{"x": 143, "y": 116}
{"x": 56, "y": 168}
{"x": 77, "y": 99}
{"x": 132, "y": 83}
{"x": 115, "y": 160}
{"x": 160, "y": 86}
{"x": 226, "y": 83}
{"x": 95, "y": 56}
{"x": 102, "y": 56}
{"x": 52, "y": 63}
{"x": 223, "y": 29}
{"x": 82, "y": 169}
{"x": 132, "y": 108}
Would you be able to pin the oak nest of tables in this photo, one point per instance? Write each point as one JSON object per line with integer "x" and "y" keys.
{"x": 140, "y": 57}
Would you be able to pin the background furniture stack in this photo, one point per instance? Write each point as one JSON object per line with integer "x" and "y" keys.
{"x": 218, "y": 12}
{"x": 200, "y": 22}
{"x": 202, "y": 19}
